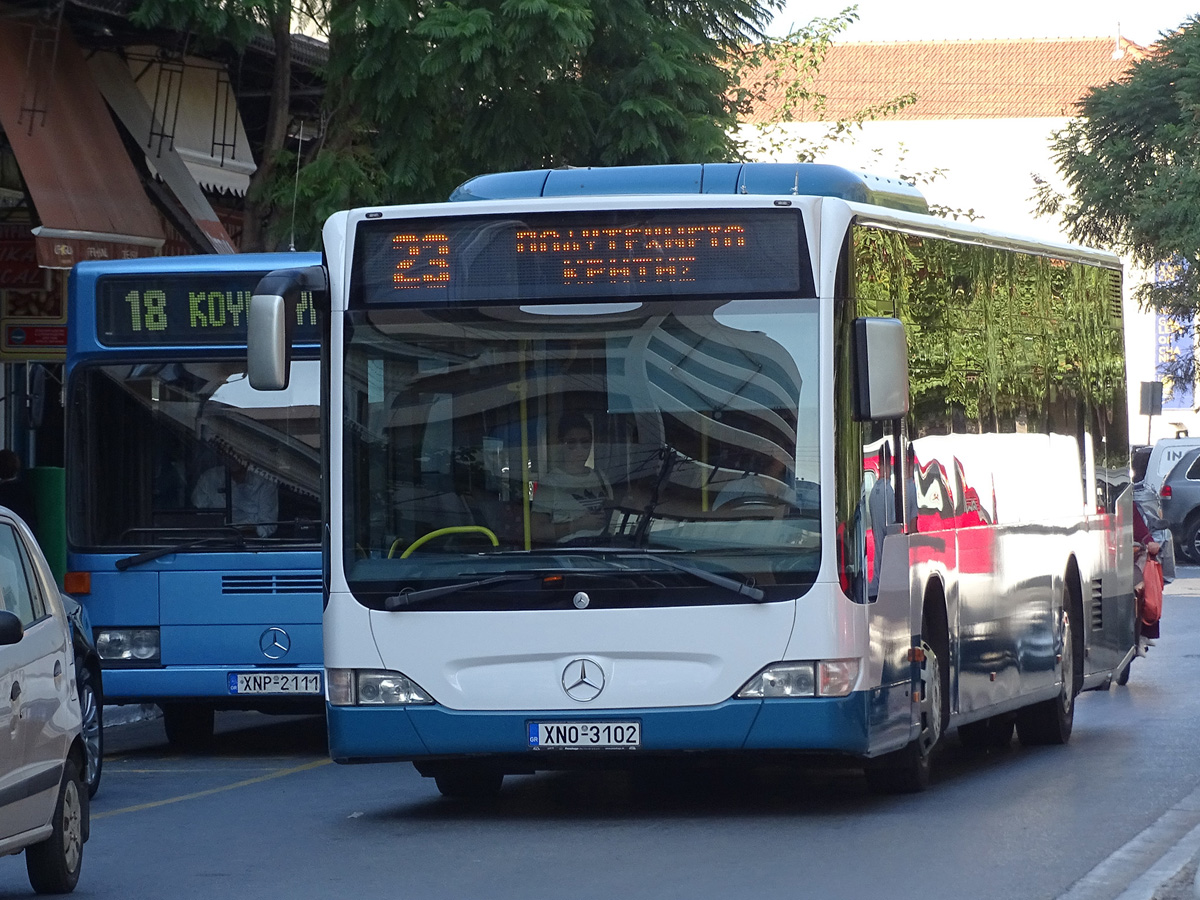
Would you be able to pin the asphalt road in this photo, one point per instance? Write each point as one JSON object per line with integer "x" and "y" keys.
{"x": 266, "y": 815}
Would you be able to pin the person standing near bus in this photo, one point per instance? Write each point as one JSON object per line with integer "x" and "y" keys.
{"x": 571, "y": 500}
{"x": 14, "y": 492}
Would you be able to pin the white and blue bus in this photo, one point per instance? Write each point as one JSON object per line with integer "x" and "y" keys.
{"x": 193, "y": 500}
{"x": 730, "y": 460}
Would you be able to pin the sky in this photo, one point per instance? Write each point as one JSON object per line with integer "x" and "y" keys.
{"x": 1140, "y": 21}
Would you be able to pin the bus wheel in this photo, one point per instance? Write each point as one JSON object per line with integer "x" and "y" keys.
{"x": 906, "y": 771}
{"x": 189, "y": 725}
{"x": 1050, "y": 721}
{"x": 464, "y": 781}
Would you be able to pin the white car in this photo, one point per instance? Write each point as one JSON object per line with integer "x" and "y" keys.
{"x": 43, "y": 803}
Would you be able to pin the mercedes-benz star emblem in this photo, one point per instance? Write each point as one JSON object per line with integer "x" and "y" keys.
{"x": 274, "y": 643}
{"x": 581, "y": 600}
{"x": 583, "y": 679}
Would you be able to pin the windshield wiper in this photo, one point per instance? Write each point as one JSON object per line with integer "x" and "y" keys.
{"x": 409, "y": 597}
{"x": 236, "y": 540}
{"x": 741, "y": 588}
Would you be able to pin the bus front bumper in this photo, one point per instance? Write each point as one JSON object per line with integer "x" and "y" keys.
{"x": 213, "y": 683}
{"x": 398, "y": 733}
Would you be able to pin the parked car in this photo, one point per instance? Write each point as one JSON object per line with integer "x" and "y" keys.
{"x": 1180, "y": 499}
{"x": 44, "y": 806}
{"x": 1165, "y": 455}
{"x": 1151, "y": 506}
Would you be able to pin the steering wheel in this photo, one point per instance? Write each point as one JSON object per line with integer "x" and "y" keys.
{"x": 441, "y": 532}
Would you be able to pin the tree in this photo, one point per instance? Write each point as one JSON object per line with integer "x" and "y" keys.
{"x": 421, "y": 94}
{"x": 1131, "y": 163}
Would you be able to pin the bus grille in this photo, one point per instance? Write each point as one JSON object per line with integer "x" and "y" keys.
{"x": 268, "y": 583}
{"x": 1097, "y": 605}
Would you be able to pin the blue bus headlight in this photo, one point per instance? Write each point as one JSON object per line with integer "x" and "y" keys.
{"x": 803, "y": 678}
{"x": 131, "y": 645}
{"x": 370, "y": 687}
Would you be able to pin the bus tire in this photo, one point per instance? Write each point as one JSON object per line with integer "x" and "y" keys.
{"x": 464, "y": 781}
{"x": 53, "y": 864}
{"x": 907, "y": 771}
{"x": 1051, "y": 721}
{"x": 189, "y": 725}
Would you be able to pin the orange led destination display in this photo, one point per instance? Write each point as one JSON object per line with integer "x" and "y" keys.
{"x": 566, "y": 256}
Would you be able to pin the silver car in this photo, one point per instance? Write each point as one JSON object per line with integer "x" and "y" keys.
{"x": 1179, "y": 497}
{"x": 43, "y": 801}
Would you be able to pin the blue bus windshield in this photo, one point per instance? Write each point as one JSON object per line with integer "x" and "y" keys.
{"x": 181, "y": 451}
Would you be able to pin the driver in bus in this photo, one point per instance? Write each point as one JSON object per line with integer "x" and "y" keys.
{"x": 573, "y": 499}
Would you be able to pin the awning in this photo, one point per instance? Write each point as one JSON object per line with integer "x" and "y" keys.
{"x": 116, "y": 83}
{"x": 194, "y": 100}
{"x": 87, "y": 193}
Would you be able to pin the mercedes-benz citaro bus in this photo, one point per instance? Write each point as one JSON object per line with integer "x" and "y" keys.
{"x": 726, "y": 460}
{"x": 193, "y": 500}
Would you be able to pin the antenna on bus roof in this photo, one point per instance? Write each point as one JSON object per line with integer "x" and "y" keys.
{"x": 296, "y": 187}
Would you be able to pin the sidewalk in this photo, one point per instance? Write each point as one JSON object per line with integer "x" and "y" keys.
{"x": 1162, "y": 861}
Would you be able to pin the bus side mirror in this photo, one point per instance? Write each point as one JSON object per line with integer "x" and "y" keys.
{"x": 881, "y": 369}
{"x": 271, "y": 323}
{"x": 267, "y": 345}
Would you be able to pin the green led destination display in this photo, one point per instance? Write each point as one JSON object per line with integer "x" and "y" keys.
{"x": 582, "y": 255}
{"x": 186, "y": 309}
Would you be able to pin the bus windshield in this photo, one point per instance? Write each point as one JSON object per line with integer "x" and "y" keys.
{"x": 188, "y": 452}
{"x": 501, "y": 439}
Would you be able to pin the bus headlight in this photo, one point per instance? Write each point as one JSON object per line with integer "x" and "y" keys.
{"x": 370, "y": 687}
{"x": 803, "y": 678}
{"x": 787, "y": 679}
{"x": 130, "y": 645}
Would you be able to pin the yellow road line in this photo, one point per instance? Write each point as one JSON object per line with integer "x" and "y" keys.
{"x": 229, "y": 787}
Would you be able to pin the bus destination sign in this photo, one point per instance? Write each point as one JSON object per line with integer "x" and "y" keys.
{"x": 567, "y": 256}
{"x": 187, "y": 309}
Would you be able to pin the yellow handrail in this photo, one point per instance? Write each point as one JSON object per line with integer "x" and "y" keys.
{"x": 453, "y": 529}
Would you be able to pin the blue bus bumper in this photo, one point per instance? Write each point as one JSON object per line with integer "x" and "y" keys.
{"x": 199, "y": 683}
{"x": 826, "y": 725}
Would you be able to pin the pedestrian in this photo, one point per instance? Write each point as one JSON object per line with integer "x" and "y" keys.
{"x": 14, "y": 492}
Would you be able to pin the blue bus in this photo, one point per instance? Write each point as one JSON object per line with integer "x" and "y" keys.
{"x": 193, "y": 501}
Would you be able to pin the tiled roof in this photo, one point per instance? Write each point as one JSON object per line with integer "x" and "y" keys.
{"x": 966, "y": 79}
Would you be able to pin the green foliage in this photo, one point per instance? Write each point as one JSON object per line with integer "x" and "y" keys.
{"x": 1131, "y": 162}
{"x": 1058, "y": 330}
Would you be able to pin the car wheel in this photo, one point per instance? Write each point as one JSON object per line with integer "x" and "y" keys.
{"x": 54, "y": 863}
{"x": 189, "y": 725}
{"x": 1191, "y": 540}
{"x": 91, "y": 708}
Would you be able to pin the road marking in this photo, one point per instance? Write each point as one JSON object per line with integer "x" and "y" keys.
{"x": 1150, "y": 859}
{"x": 217, "y": 790}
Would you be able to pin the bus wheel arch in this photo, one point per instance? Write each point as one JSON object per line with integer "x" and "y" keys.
{"x": 907, "y": 770}
{"x": 1051, "y": 721}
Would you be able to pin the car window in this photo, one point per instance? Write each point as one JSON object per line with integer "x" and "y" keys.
{"x": 1193, "y": 471}
{"x": 16, "y": 594}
